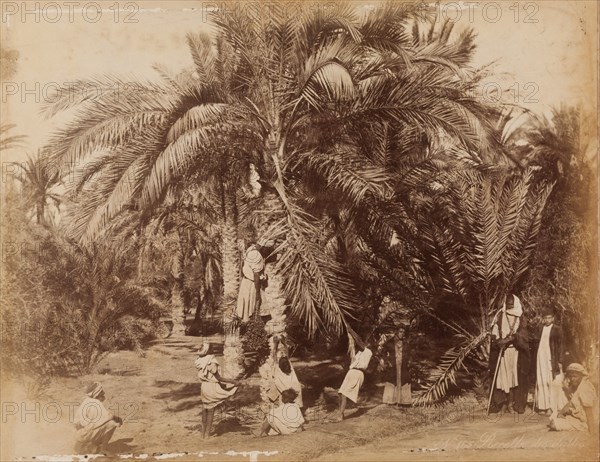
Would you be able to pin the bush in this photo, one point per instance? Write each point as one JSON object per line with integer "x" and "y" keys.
{"x": 63, "y": 307}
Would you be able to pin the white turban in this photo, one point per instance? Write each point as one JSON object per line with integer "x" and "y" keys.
{"x": 203, "y": 349}
{"x": 94, "y": 390}
{"x": 264, "y": 242}
{"x": 517, "y": 309}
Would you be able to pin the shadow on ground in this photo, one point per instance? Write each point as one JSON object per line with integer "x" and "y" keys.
{"x": 182, "y": 396}
{"x": 315, "y": 378}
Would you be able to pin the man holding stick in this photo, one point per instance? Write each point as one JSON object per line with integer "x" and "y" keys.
{"x": 509, "y": 359}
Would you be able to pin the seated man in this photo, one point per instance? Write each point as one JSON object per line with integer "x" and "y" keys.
{"x": 578, "y": 413}
{"x": 284, "y": 419}
{"x": 95, "y": 425}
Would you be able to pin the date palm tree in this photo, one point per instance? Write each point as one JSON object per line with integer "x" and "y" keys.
{"x": 304, "y": 98}
{"x": 12, "y": 141}
{"x": 39, "y": 182}
{"x": 481, "y": 236}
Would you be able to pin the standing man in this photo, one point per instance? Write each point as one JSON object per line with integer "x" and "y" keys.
{"x": 354, "y": 379}
{"x": 252, "y": 280}
{"x": 510, "y": 354}
{"x": 548, "y": 386}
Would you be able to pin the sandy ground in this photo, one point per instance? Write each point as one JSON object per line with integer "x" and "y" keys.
{"x": 158, "y": 398}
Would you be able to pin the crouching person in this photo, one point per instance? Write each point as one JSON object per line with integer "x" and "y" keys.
{"x": 284, "y": 419}
{"x": 95, "y": 425}
{"x": 578, "y": 413}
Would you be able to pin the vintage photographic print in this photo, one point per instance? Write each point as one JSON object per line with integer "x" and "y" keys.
{"x": 311, "y": 230}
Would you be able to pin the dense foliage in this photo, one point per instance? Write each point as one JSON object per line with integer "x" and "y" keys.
{"x": 355, "y": 141}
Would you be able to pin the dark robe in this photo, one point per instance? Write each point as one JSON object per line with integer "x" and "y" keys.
{"x": 520, "y": 340}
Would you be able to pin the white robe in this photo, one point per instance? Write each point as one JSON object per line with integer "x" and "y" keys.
{"x": 282, "y": 382}
{"x": 246, "y": 303}
{"x": 548, "y": 390}
{"x": 94, "y": 424}
{"x": 544, "y": 370}
{"x": 285, "y": 419}
{"x": 212, "y": 393}
{"x": 355, "y": 375}
{"x": 507, "y": 371}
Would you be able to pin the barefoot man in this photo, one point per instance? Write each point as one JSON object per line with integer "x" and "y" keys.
{"x": 354, "y": 379}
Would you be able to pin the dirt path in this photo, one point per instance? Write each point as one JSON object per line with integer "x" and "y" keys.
{"x": 158, "y": 398}
{"x": 510, "y": 438}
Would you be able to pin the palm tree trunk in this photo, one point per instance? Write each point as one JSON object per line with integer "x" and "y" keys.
{"x": 141, "y": 254}
{"x": 230, "y": 253}
{"x": 177, "y": 306}
{"x": 40, "y": 211}
{"x": 232, "y": 349}
{"x": 274, "y": 303}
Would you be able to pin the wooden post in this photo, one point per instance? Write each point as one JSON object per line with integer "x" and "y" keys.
{"x": 398, "y": 344}
{"x": 403, "y": 393}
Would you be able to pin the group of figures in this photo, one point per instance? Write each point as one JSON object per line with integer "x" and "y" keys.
{"x": 563, "y": 390}
{"x": 286, "y": 413}
{"x": 95, "y": 424}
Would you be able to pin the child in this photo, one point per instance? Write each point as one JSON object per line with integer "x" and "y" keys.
{"x": 215, "y": 389}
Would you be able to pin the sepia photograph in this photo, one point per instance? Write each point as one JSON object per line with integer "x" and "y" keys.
{"x": 299, "y": 230}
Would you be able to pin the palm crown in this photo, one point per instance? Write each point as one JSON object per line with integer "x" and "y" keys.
{"x": 310, "y": 99}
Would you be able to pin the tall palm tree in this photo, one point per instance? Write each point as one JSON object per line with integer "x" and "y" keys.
{"x": 39, "y": 182}
{"x": 12, "y": 141}
{"x": 481, "y": 234}
{"x": 303, "y": 98}
{"x": 564, "y": 274}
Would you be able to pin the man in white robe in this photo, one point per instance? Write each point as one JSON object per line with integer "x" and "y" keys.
{"x": 284, "y": 419}
{"x": 214, "y": 389}
{"x": 549, "y": 394}
{"x": 354, "y": 379}
{"x": 252, "y": 280}
{"x": 581, "y": 411}
{"x": 507, "y": 337}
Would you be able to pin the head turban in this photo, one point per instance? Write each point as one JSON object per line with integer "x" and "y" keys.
{"x": 517, "y": 309}
{"x": 576, "y": 367}
{"x": 94, "y": 390}
{"x": 264, "y": 242}
{"x": 203, "y": 350}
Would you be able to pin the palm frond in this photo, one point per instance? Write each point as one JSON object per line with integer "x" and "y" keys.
{"x": 317, "y": 287}
{"x": 445, "y": 373}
